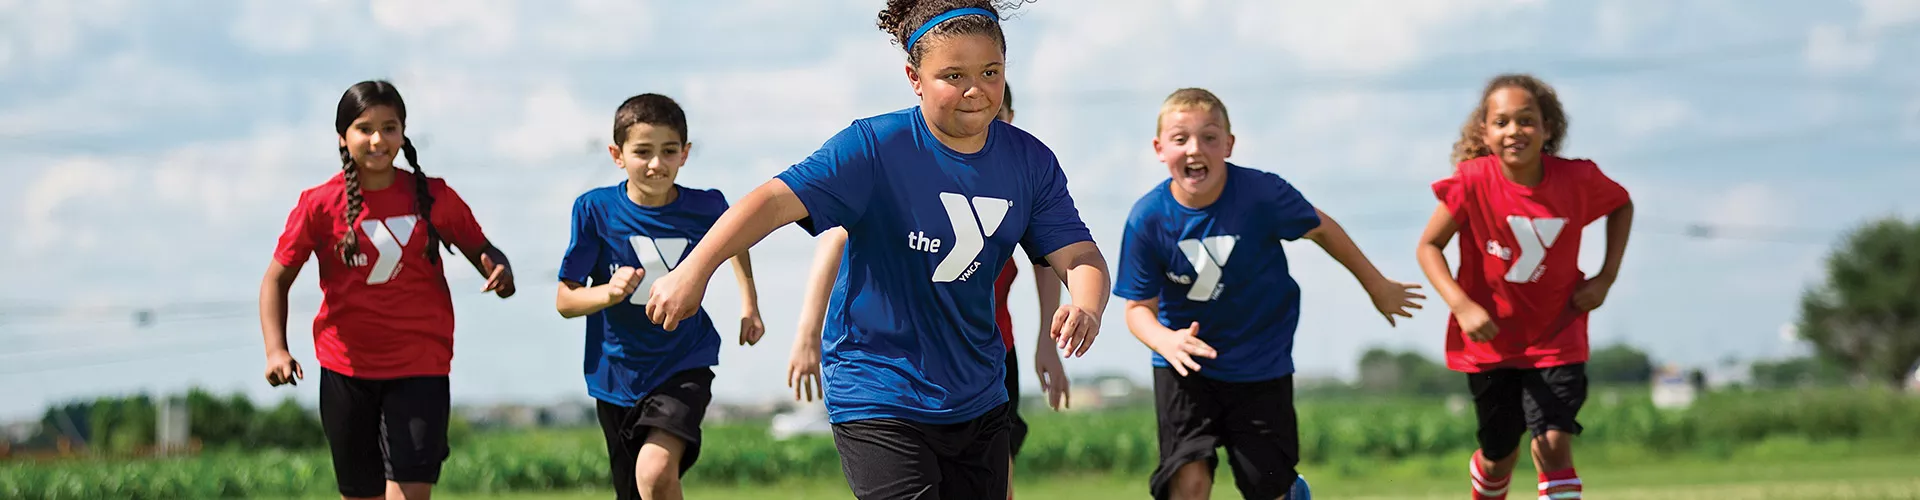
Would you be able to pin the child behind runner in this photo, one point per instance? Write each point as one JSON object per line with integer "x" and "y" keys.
{"x": 651, "y": 386}
{"x": 803, "y": 367}
{"x": 384, "y": 333}
{"x": 1205, "y": 276}
{"x": 913, "y": 365}
{"x": 1519, "y": 324}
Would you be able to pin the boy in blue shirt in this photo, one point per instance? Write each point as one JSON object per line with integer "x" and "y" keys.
{"x": 934, "y": 198}
{"x": 652, "y": 386}
{"x": 1227, "y": 382}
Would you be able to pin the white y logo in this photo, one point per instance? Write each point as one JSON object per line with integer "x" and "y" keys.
{"x": 1535, "y": 236}
{"x": 389, "y": 237}
{"x": 968, "y": 232}
{"x": 1208, "y": 256}
{"x": 657, "y": 257}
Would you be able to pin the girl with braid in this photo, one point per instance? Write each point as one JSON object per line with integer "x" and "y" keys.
{"x": 384, "y": 332}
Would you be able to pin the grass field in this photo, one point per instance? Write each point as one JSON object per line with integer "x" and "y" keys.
{"x": 1880, "y": 477}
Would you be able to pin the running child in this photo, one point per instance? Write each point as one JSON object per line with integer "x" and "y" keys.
{"x": 384, "y": 333}
{"x": 651, "y": 386}
{"x": 913, "y": 364}
{"x": 803, "y": 367}
{"x": 1520, "y": 303}
{"x": 1208, "y": 288}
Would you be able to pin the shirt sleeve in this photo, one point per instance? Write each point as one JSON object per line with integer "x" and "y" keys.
{"x": 1055, "y": 222}
{"x": 836, "y": 182}
{"x": 1602, "y": 195}
{"x": 1292, "y": 215}
{"x": 454, "y": 219}
{"x": 583, "y": 247}
{"x": 297, "y": 241}
{"x": 1142, "y": 261}
{"x": 1452, "y": 193}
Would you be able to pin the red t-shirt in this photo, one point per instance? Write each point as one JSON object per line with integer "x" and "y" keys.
{"x": 389, "y": 315}
{"x": 1002, "y": 288}
{"x": 1520, "y": 259}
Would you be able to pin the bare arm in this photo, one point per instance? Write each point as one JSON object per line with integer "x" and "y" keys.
{"x": 1179, "y": 347}
{"x": 1433, "y": 258}
{"x": 813, "y": 304}
{"x": 1333, "y": 238}
{"x": 1390, "y": 298}
{"x": 751, "y": 328}
{"x": 1046, "y": 285}
{"x": 1619, "y": 227}
{"x": 677, "y": 295}
{"x": 574, "y": 300}
{"x": 1084, "y": 270}
{"x": 281, "y": 368}
{"x": 493, "y": 266}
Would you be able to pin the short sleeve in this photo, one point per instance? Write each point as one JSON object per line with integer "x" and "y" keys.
{"x": 836, "y": 181}
{"x": 1292, "y": 215}
{"x": 297, "y": 241}
{"x": 583, "y": 247}
{"x": 1452, "y": 193}
{"x": 454, "y": 219}
{"x": 1600, "y": 194}
{"x": 1142, "y": 260}
{"x": 1055, "y": 222}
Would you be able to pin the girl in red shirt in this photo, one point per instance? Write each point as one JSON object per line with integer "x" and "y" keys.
{"x": 384, "y": 333}
{"x": 1520, "y": 303}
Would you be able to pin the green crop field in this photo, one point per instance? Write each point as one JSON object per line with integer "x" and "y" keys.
{"x": 1749, "y": 442}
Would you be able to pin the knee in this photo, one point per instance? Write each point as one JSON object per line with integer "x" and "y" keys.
{"x": 1191, "y": 481}
{"x": 656, "y": 473}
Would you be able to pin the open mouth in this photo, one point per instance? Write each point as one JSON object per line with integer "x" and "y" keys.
{"x": 1194, "y": 173}
{"x": 1515, "y": 147}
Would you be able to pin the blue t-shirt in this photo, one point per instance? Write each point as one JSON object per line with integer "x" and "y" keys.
{"x": 626, "y": 354}
{"x": 1224, "y": 267}
{"x": 910, "y": 331}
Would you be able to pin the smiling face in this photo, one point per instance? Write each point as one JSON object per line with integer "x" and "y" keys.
{"x": 374, "y": 138}
{"x": 1194, "y": 144}
{"x": 1514, "y": 129}
{"x": 960, "y": 84}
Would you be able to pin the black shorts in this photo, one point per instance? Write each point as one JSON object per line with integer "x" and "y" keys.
{"x": 890, "y": 458}
{"x": 1016, "y": 426}
{"x": 1510, "y": 401}
{"x": 676, "y": 407}
{"x": 1255, "y": 421}
{"x": 384, "y": 430}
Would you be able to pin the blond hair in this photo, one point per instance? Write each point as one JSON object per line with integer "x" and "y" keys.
{"x": 1188, "y": 99}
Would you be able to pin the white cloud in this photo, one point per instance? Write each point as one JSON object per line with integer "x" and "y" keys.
{"x": 52, "y": 30}
{"x": 603, "y": 27}
{"x": 1643, "y": 119}
{"x": 107, "y": 100}
{"x": 466, "y": 26}
{"x": 46, "y": 222}
{"x": 1362, "y": 35}
{"x": 284, "y": 26}
{"x": 1833, "y": 48}
{"x": 552, "y": 122}
{"x": 1879, "y": 14}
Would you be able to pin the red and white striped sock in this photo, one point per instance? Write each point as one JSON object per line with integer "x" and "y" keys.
{"x": 1484, "y": 487}
{"x": 1560, "y": 485}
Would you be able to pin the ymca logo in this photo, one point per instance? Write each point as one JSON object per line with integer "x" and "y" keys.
{"x": 657, "y": 257}
{"x": 972, "y": 223}
{"x": 1535, "y": 236}
{"x": 1209, "y": 257}
{"x": 389, "y": 237}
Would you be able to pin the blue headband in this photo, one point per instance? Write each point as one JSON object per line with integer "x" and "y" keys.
{"x": 944, "y": 17}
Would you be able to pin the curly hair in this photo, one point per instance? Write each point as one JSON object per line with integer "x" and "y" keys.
{"x": 902, "y": 17}
{"x": 1472, "y": 143}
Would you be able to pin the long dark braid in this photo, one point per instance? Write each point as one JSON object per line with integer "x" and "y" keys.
{"x": 423, "y": 201}
{"x": 349, "y": 244}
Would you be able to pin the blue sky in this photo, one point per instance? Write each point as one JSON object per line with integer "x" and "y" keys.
{"x": 154, "y": 149}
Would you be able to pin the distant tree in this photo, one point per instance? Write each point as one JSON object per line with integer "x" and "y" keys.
{"x": 1797, "y": 372}
{"x": 1384, "y": 371}
{"x": 1619, "y": 364}
{"x": 1866, "y": 316}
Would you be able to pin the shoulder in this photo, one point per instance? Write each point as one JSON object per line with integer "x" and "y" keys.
{"x": 596, "y": 196}
{"x": 1151, "y": 207}
{"x": 880, "y": 128}
{"x": 324, "y": 194}
{"x": 707, "y": 201}
{"x": 1580, "y": 166}
{"x": 1477, "y": 168}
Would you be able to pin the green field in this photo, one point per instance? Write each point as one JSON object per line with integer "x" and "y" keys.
{"x": 1852, "y": 478}
{"x": 1806, "y": 444}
